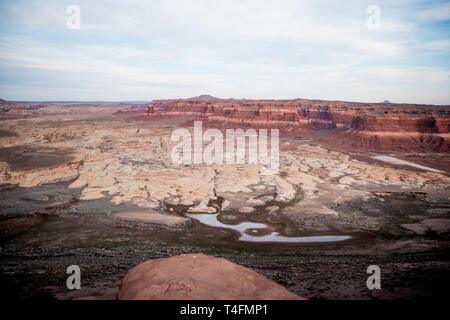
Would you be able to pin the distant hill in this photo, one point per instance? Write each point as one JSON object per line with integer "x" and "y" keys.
{"x": 203, "y": 97}
{"x": 1, "y": 100}
{"x": 386, "y": 101}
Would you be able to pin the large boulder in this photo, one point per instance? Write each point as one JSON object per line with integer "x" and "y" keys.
{"x": 198, "y": 277}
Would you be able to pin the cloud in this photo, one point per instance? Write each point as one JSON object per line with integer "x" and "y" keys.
{"x": 394, "y": 74}
{"x": 438, "y": 13}
{"x": 167, "y": 48}
{"x": 437, "y": 45}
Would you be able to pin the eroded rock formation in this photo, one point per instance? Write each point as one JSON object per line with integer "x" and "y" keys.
{"x": 348, "y": 125}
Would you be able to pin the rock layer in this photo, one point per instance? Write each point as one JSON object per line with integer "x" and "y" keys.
{"x": 198, "y": 277}
{"x": 349, "y": 125}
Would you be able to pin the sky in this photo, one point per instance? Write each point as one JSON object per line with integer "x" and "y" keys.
{"x": 351, "y": 50}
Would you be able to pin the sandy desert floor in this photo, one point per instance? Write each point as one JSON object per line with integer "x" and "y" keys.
{"x": 80, "y": 184}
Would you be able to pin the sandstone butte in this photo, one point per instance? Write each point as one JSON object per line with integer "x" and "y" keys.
{"x": 198, "y": 277}
{"x": 378, "y": 127}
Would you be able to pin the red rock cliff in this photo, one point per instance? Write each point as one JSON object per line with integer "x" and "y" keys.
{"x": 350, "y": 125}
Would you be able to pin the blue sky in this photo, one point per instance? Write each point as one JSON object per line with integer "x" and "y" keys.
{"x": 144, "y": 50}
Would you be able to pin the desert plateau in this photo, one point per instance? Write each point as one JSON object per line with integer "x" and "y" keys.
{"x": 358, "y": 184}
{"x": 225, "y": 159}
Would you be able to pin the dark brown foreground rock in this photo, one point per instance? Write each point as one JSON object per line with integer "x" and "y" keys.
{"x": 198, "y": 277}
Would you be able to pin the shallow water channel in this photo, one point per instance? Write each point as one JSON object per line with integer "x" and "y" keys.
{"x": 251, "y": 231}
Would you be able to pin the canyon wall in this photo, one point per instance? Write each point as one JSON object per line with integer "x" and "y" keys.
{"x": 348, "y": 125}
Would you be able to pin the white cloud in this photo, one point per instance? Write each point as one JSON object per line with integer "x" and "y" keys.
{"x": 437, "y": 45}
{"x": 438, "y": 13}
{"x": 168, "y": 48}
{"x": 393, "y": 74}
